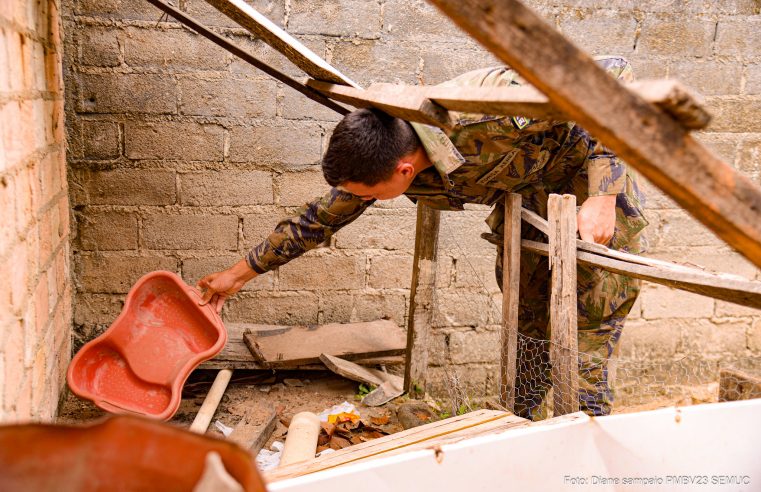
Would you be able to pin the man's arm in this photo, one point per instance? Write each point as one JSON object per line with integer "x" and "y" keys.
{"x": 314, "y": 224}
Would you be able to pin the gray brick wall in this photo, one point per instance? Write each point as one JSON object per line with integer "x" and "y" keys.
{"x": 182, "y": 157}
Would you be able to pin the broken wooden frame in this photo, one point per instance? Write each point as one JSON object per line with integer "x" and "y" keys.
{"x": 646, "y": 123}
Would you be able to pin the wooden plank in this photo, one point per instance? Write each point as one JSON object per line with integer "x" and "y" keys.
{"x": 511, "y": 265}
{"x": 648, "y": 139}
{"x": 422, "y": 293}
{"x": 301, "y": 56}
{"x": 254, "y": 429}
{"x": 386, "y": 444}
{"x": 297, "y": 345}
{"x": 561, "y": 211}
{"x": 354, "y": 371}
{"x": 726, "y": 287}
{"x": 237, "y": 356}
{"x": 247, "y": 57}
{"x": 396, "y": 101}
{"x": 737, "y": 385}
{"x": 669, "y": 95}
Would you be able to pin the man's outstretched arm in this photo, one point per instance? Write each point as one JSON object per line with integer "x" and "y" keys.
{"x": 314, "y": 224}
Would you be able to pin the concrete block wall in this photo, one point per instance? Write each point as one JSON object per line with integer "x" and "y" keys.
{"x": 35, "y": 295}
{"x": 183, "y": 157}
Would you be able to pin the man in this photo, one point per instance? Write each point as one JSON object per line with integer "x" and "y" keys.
{"x": 372, "y": 156}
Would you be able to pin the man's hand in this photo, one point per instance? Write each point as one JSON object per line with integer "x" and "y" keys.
{"x": 597, "y": 219}
{"x": 221, "y": 285}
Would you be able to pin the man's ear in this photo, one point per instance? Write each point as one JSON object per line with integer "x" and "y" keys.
{"x": 405, "y": 168}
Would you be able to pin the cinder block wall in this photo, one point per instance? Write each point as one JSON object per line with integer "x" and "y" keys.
{"x": 36, "y": 291}
{"x": 182, "y": 157}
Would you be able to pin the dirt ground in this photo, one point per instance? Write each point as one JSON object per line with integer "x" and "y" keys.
{"x": 260, "y": 391}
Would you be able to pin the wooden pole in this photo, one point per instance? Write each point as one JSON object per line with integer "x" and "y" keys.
{"x": 210, "y": 404}
{"x": 563, "y": 315}
{"x": 511, "y": 265}
{"x": 648, "y": 139}
{"x": 421, "y": 300}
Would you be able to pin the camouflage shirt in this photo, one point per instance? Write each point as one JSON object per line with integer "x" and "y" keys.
{"x": 477, "y": 162}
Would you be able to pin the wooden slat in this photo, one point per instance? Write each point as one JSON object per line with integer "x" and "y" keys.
{"x": 726, "y": 287}
{"x": 511, "y": 264}
{"x": 386, "y": 444}
{"x": 669, "y": 95}
{"x": 422, "y": 306}
{"x": 301, "y": 56}
{"x": 354, "y": 371}
{"x": 297, "y": 345}
{"x": 396, "y": 101}
{"x": 247, "y": 57}
{"x": 236, "y": 355}
{"x": 662, "y": 150}
{"x": 563, "y": 311}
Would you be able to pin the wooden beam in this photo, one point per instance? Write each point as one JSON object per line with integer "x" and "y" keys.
{"x": 422, "y": 306}
{"x": 396, "y": 101}
{"x": 511, "y": 274}
{"x": 247, "y": 17}
{"x": 236, "y": 50}
{"x": 648, "y": 139}
{"x": 669, "y": 95}
{"x": 564, "y": 351}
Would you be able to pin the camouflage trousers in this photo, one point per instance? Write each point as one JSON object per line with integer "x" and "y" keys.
{"x": 604, "y": 299}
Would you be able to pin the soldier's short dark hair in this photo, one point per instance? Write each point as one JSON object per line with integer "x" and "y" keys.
{"x": 365, "y": 147}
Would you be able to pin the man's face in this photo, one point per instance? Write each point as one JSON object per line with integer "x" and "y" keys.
{"x": 393, "y": 187}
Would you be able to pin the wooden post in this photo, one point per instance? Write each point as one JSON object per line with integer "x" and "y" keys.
{"x": 648, "y": 139}
{"x": 511, "y": 265}
{"x": 421, "y": 300}
{"x": 211, "y": 402}
{"x": 563, "y": 315}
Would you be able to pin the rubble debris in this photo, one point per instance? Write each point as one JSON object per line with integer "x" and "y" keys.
{"x": 293, "y": 383}
{"x": 414, "y": 414}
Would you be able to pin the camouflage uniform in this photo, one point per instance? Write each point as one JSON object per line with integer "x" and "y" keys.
{"x": 477, "y": 162}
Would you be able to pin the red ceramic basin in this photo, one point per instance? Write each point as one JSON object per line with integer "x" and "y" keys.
{"x": 141, "y": 362}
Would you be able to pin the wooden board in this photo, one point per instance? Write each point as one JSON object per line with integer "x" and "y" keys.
{"x": 564, "y": 352}
{"x": 648, "y": 139}
{"x": 726, "y": 287}
{"x": 301, "y": 56}
{"x": 297, "y": 345}
{"x": 254, "y": 429}
{"x": 400, "y": 441}
{"x": 422, "y": 306}
{"x": 669, "y": 95}
{"x": 237, "y": 356}
{"x": 511, "y": 275}
{"x": 355, "y": 372}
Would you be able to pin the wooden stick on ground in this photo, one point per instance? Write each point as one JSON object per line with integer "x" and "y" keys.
{"x": 511, "y": 264}
{"x": 251, "y": 433}
{"x": 206, "y": 412}
{"x": 563, "y": 309}
{"x": 421, "y": 300}
{"x": 648, "y": 139}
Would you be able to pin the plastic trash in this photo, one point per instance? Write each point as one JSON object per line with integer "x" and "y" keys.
{"x": 336, "y": 414}
{"x": 269, "y": 459}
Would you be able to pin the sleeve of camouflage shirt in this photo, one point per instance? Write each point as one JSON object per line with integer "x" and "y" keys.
{"x": 313, "y": 224}
{"x": 607, "y": 173}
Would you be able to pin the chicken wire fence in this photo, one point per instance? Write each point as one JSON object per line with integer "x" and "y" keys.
{"x": 605, "y": 384}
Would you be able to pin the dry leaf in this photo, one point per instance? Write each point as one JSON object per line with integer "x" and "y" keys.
{"x": 383, "y": 420}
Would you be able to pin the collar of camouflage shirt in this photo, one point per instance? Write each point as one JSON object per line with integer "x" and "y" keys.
{"x": 441, "y": 151}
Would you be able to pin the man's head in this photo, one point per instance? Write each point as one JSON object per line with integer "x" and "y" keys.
{"x": 372, "y": 155}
